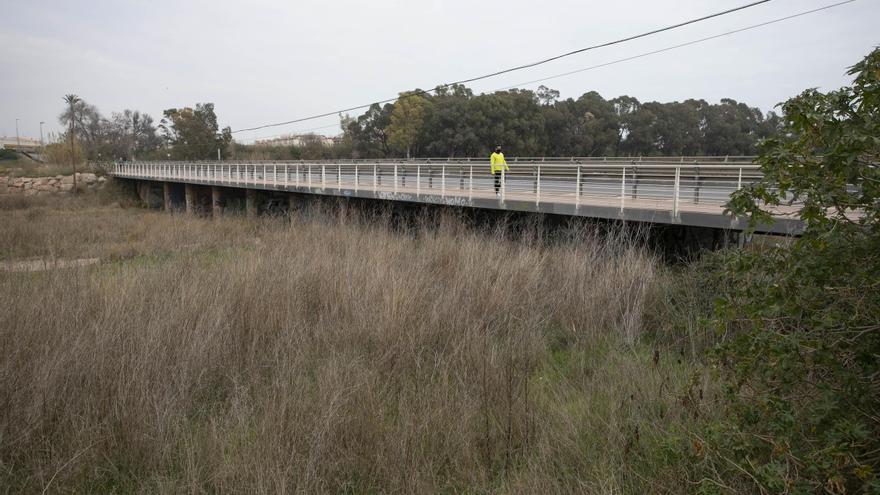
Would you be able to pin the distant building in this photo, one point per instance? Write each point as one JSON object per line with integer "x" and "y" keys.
{"x": 24, "y": 144}
{"x": 296, "y": 140}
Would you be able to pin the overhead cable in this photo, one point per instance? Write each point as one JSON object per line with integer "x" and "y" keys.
{"x": 673, "y": 47}
{"x": 512, "y": 69}
{"x": 654, "y": 52}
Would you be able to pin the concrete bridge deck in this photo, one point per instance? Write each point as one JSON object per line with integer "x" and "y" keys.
{"x": 682, "y": 191}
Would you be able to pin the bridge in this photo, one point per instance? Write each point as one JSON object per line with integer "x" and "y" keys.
{"x": 688, "y": 191}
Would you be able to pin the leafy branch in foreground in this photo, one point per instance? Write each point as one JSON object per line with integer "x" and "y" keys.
{"x": 801, "y": 412}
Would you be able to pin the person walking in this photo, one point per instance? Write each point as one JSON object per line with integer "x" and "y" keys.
{"x": 497, "y": 165}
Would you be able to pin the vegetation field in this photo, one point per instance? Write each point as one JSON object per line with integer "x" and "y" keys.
{"x": 327, "y": 353}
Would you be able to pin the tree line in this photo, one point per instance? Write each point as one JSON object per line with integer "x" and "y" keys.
{"x": 451, "y": 122}
{"x": 454, "y": 122}
{"x": 189, "y": 133}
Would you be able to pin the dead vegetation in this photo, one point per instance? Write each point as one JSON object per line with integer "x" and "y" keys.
{"x": 327, "y": 354}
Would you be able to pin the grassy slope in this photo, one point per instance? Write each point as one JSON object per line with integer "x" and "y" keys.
{"x": 26, "y": 167}
{"x": 327, "y": 355}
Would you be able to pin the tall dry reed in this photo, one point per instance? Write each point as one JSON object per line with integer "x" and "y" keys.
{"x": 328, "y": 354}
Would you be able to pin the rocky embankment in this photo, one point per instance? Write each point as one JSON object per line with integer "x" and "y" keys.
{"x": 34, "y": 186}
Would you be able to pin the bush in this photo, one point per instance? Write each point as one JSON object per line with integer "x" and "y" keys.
{"x": 801, "y": 409}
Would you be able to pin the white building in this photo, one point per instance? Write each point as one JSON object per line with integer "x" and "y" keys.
{"x": 296, "y": 140}
{"x": 24, "y": 144}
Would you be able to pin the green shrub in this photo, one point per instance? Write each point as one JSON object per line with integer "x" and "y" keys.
{"x": 801, "y": 409}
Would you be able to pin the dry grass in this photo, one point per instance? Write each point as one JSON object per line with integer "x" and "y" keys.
{"x": 326, "y": 355}
{"x": 25, "y": 167}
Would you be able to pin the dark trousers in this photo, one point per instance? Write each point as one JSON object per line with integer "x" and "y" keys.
{"x": 497, "y": 182}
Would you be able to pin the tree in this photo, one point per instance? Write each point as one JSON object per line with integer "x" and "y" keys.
{"x": 72, "y": 101}
{"x": 731, "y": 128}
{"x": 624, "y": 107}
{"x": 677, "y": 127}
{"x": 368, "y": 133}
{"x": 406, "y": 121}
{"x": 123, "y": 135}
{"x": 131, "y": 133}
{"x": 193, "y": 134}
{"x": 801, "y": 411}
{"x": 448, "y": 129}
{"x": 509, "y": 118}
{"x": 597, "y": 126}
{"x": 546, "y": 96}
{"x": 84, "y": 120}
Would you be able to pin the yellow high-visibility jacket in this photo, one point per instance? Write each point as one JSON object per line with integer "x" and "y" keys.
{"x": 497, "y": 163}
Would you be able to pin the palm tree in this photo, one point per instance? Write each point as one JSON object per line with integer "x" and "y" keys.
{"x": 72, "y": 100}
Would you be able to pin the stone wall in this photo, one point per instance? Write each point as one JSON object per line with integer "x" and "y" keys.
{"x": 34, "y": 186}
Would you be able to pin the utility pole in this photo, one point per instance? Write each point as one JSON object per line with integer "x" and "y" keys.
{"x": 41, "y": 137}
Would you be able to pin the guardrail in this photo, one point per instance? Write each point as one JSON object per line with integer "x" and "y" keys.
{"x": 661, "y": 183}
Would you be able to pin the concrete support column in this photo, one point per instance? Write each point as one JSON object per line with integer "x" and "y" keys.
{"x": 216, "y": 201}
{"x": 166, "y": 189}
{"x": 141, "y": 187}
{"x": 190, "y": 194}
{"x": 250, "y": 202}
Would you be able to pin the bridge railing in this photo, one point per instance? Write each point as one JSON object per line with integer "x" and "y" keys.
{"x": 661, "y": 183}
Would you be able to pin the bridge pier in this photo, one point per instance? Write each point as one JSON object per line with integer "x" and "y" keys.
{"x": 150, "y": 193}
{"x": 190, "y": 198}
{"x": 174, "y": 196}
{"x": 198, "y": 199}
{"x": 250, "y": 202}
{"x": 166, "y": 190}
{"x": 217, "y": 201}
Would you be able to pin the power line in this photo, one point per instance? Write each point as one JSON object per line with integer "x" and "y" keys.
{"x": 673, "y": 47}
{"x": 653, "y": 52}
{"x": 520, "y": 67}
{"x": 297, "y": 131}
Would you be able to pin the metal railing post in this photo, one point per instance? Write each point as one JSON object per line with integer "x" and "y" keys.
{"x": 503, "y": 184}
{"x": 356, "y": 177}
{"x": 395, "y": 177}
{"x": 623, "y": 189}
{"x": 297, "y": 175}
{"x": 338, "y": 176}
{"x": 635, "y": 176}
{"x": 323, "y": 176}
{"x": 443, "y": 180}
{"x": 577, "y": 186}
{"x": 275, "y": 174}
{"x": 739, "y": 179}
{"x": 471, "y": 182}
{"x": 675, "y": 192}
{"x": 418, "y": 179}
{"x": 310, "y": 175}
{"x": 538, "y": 185}
{"x": 375, "y": 178}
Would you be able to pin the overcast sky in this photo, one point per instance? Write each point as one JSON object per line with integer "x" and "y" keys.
{"x": 268, "y": 61}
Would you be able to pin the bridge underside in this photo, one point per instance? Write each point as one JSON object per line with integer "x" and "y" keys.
{"x": 213, "y": 197}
